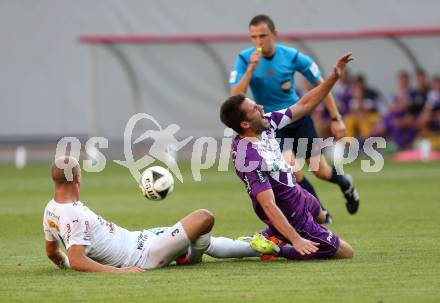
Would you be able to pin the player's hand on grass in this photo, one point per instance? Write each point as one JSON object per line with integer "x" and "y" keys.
{"x": 130, "y": 269}
{"x": 341, "y": 63}
{"x": 305, "y": 247}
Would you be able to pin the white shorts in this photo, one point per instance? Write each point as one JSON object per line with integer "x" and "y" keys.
{"x": 165, "y": 248}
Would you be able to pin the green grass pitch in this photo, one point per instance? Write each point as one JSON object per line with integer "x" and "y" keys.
{"x": 395, "y": 236}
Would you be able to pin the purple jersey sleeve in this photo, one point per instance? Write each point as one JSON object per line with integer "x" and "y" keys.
{"x": 250, "y": 169}
{"x": 280, "y": 118}
{"x": 256, "y": 180}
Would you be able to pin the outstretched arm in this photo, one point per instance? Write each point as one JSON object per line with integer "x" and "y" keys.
{"x": 275, "y": 215}
{"x": 337, "y": 125}
{"x": 80, "y": 262}
{"x": 310, "y": 100}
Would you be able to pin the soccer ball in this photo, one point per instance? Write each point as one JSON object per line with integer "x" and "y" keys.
{"x": 156, "y": 183}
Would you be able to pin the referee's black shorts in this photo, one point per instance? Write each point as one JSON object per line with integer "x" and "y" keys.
{"x": 302, "y": 128}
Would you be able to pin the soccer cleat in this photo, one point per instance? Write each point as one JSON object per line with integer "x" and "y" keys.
{"x": 246, "y": 239}
{"x": 183, "y": 259}
{"x": 266, "y": 258}
{"x": 263, "y": 245}
{"x": 351, "y": 197}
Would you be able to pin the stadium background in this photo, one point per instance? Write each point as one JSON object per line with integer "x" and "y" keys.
{"x": 54, "y": 84}
{"x": 50, "y": 79}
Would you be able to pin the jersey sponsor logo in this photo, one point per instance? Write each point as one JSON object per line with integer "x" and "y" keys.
{"x": 86, "y": 235}
{"x": 330, "y": 236}
{"x": 260, "y": 176}
{"x": 233, "y": 76}
{"x": 286, "y": 86}
{"x": 101, "y": 220}
{"x": 69, "y": 231}
{"x": 53, "y": 225}
{"x": 141, "y": 241}
{"x": 248, "y": 186}
{"x": 270, "y": 72}
{"x": 52, "y": 215}
{"x": 314, "y": 69}
{"x": 111, "y": 227}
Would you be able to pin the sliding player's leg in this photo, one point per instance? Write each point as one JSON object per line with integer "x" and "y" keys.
{"x": 176, "y": 240}
{"x": 330, "y": 246}
{"x": 345, "y": 251}
{"x": 222, "y": 247}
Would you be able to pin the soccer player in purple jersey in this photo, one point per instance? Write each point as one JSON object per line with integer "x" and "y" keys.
{"x": 267, "y": 69}
{"x": 288, "y": 210}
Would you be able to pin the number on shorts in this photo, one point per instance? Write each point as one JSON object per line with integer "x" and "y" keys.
{"x": 174, "y": 232}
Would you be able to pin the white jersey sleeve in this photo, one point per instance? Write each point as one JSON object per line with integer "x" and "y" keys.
{"x": 48, "y": 235}
{"x": 75, "y": 226}
{"x": 105, "y": 242}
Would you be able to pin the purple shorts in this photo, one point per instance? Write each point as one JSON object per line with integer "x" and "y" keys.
{"x": 310, "y": 230}
{"x": 312, "y": 203}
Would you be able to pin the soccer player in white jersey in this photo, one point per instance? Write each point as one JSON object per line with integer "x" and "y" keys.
{"x": 96, "y": 245}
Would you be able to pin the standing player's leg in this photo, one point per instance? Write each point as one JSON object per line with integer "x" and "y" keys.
{"x": 323, "y": 169}
{"x": 193, "y": 229}
{"x": 329, "y": 173}
{"x": 289, "y": 138}
{"x": 324, "y": 216}
{"x": 289, "y": 157}
{"x": 314, "y": 207}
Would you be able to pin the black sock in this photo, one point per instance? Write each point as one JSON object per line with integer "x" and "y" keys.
{"x": 309, "y": 187}
{"x": 341, "y": 180}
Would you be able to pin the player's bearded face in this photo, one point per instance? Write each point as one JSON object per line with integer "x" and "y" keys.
{"x": 259, "y": 125}
{"x": 255, "y": 116}
{"x": 256, "y": 119}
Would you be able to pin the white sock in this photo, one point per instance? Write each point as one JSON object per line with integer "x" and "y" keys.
{"x": 222, "y": 247}
{"x": 198, "y": 248}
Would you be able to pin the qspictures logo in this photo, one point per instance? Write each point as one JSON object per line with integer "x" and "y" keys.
{"x": 165, "y": 148}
